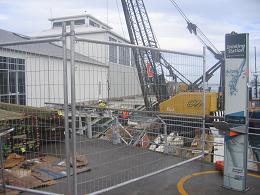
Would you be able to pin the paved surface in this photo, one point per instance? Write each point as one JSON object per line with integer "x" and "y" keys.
{"x": 166, "y": 183}
{"x": 111, "y": 164}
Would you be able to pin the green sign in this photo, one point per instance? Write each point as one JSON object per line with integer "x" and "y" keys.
{"x": 236, "y": 45}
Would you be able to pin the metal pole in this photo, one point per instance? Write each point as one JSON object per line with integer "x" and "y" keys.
{"x": 2, "y": 166}
{"x": 247, "y": 117}
{"x": 31, "y": 41}
{"x": 73, "y": 104}
{"x": 66, "y": 108}
{"x": 255, "y": 60}
{"x": 3, "y": 185}
{"x": 135, "y": 47}
{"x": 204, "y": 100}
{"x": 256, "y": 78}
{"x": 31, "y": 191}
{"x": 164, "y": 134}
{"x": 89, "y": 127}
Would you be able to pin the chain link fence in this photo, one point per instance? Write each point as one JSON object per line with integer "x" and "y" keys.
{"x": 85, "y": 116}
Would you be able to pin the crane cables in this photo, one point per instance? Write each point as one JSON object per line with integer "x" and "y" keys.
{"x": 195, "y": 29}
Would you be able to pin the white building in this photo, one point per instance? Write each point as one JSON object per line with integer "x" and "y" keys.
{"x": 123, "y": 79}
{"x": 33, "y": 74}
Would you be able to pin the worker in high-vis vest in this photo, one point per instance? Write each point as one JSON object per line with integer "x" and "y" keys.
{"x": 125, "y": 116}
{"x": 102, "y": 105}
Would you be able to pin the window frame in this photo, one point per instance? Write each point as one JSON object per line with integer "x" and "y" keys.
{"x": 15, "y": 76}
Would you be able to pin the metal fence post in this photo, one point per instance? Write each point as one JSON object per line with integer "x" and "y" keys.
{"x": 2, "y": 187}
{"x": 66, "y": 109}
{"x": 73, "y": 105}
{"x": 204, "y": 100}
{"x": 89, "y": 127}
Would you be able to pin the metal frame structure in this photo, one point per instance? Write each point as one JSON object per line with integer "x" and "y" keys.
{"x": 71, "y": 111}
{"x": 5, "y": 186}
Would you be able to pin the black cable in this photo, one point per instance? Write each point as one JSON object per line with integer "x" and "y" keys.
{"x": 205, "y": 41}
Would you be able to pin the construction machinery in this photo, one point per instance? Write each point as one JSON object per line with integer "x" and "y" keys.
{"x": 147, "y": 61}
{"x": 141, "y": 33}
{"x": 190, "y": 103}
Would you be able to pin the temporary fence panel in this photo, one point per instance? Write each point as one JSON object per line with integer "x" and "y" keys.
{"x": 32, "y": 130}
{"x": 123, "y": 140}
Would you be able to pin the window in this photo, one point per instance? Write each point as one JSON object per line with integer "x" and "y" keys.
{"x": 22, "y": 99}
{"x": 76, "y": 22}
{"x": 112, "y": 51}
{"x": 21, "y": 82}
{"x": 124, "y": 56}
{"x": 4, "y": 82}
{"x": 79, "y": 22}
{"x": 4, "y": 98}
{"x": 12, "y": 80}
{"x": 68, "y": 23}
{"x": 57, "y": 24}
{"x": 92, "y": 23}
{"x": 3, "y": 63}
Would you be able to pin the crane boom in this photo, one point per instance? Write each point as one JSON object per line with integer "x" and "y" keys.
{"x": 141, "y": 33}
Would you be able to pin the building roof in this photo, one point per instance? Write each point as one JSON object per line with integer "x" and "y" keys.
{"x": 66, "y": 18}
{"x": 46, "y": 49}
{"x": 82, "y": 30}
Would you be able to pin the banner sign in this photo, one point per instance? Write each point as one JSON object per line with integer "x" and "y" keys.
{"x": 236, "y": 46}
{"x": 236, "y": 78}
{"x": 236, "y": 104}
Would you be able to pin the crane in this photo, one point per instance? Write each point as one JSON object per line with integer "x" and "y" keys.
{"x": 141, "y": 33}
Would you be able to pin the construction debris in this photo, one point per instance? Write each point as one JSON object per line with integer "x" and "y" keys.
{"x": 38, "y": 172}
{"x": 12, "y": 160}
{"x": 167, "y": 144}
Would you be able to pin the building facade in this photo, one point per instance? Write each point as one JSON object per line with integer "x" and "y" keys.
{"x": 33, "y": 74}
{"x": 122, "y": 73}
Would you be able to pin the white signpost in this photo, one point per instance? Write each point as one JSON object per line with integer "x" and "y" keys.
{"x": 236, "y": 111}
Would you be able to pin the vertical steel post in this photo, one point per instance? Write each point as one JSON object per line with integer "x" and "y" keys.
{"x": 204, "y": 100}
{"x": 165, "y": 137}
{"x": 256, "y": 78}
{"x": 66, "y": 108}
{"x": 73, "y": 104}
{"x": 89, "y": 127}
{"x": 245, "y": 158}
{"x": 2, "y": 187}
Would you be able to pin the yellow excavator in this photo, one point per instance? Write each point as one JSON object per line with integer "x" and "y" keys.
{"x": 190, "y": 103}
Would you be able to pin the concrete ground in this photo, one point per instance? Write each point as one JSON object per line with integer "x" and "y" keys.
{"x": 112, "y": 164}
{"x": 178, "y": 181}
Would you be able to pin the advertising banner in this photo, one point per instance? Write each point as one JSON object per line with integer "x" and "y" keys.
{"x": 236, "y": 76}
{"x": 236, "y": 106}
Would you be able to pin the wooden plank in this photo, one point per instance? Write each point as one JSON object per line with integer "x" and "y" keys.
{"x": 9, "y": 115}
{"x": 42, "y": 113}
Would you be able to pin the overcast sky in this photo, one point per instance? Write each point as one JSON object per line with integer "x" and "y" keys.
{"x": 214, "y": 17}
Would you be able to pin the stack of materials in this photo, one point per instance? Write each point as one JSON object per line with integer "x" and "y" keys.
{"x": 38, "y": 172}
{"x": 24, "y": 138}
{"x": 50, "y": 123}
